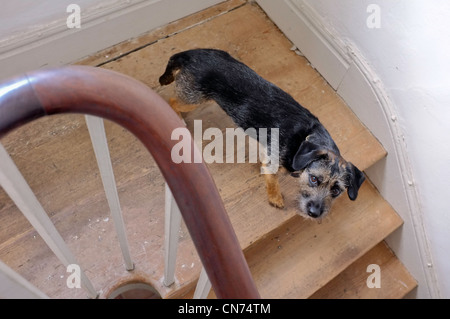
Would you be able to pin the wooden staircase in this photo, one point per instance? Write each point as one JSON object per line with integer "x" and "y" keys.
{"x": 289, "y": 257}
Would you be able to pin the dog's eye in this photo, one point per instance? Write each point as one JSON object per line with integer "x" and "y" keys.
{"x": 313, "y": 180}
{"x": 335, "y": 191}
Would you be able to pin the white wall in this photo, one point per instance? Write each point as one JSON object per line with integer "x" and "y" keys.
{"x": 21, "y": 16}
{"x": 410, "y": 54}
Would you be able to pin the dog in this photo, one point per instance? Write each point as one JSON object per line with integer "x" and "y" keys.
{"x": 306, "y": 149}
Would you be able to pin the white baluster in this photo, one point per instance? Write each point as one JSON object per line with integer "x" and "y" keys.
{"x": 20, "y": 192}
{"x": 172, "y": 226}
{"x": 98, "y": 137}
{"x": 14, "y": 286}
{"x": 203, "y": 286}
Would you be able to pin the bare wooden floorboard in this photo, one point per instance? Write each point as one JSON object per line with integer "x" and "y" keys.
{"x": 149, "y": 38}
{"x": 300, "y": 257}
{"x": 395, "y": 280}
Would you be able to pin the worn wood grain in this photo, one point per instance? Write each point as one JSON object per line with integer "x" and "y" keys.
{"x": 395, "y": 280}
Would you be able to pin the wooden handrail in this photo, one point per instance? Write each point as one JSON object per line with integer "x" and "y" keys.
{"x": 131, "y": 104}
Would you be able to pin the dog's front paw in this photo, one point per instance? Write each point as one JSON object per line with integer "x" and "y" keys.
{"x": 276, "y": 200}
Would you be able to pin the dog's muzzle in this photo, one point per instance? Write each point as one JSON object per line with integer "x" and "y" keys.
{"x": 314, "y": 209}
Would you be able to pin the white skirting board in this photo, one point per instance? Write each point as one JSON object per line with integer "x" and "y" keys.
{"x": 347, "y": 72}
{"x": 105, "y": 25}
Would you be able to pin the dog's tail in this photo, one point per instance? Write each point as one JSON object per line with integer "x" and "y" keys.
{"x": 175, "y": 63}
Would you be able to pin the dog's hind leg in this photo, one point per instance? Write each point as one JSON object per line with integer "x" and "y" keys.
{"x": 179, "y": 106}
{"x": 273, "y": 189}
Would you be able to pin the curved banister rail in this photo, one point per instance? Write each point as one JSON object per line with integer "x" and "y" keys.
{"x": 131, "y": 104}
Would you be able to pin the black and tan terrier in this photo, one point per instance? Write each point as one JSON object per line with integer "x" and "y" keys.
{"x": 306, "y": 149}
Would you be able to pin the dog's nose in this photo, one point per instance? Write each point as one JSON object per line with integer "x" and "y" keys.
{"x": 314, "y": 209}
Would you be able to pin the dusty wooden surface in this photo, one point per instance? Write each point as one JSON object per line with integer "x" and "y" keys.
{"x": 395, "y": 280}
{"x": 56, "y": 157}
{"x": 307, "y": 254}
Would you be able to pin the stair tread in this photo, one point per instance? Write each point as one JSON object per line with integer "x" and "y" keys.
{"x": 300, "y": 257}
{"x": 395, "y": 280}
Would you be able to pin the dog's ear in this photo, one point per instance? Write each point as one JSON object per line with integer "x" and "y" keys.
{"x": 355, "y": 178}
{"x": 306, "y": 154}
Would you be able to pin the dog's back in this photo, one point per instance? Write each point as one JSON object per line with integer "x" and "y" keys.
{"x": 215, "y": 75}
{"x": 304, "y": 144}
{"x": 250, "y": 100}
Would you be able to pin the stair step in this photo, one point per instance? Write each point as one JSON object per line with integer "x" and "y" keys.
{"x": 395, "y": 280}
{"x": 301, "y": 256}
{"x": 305, "y": 259}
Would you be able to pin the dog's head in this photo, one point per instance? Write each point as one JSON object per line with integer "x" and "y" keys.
{"x": 323, "y": 177}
